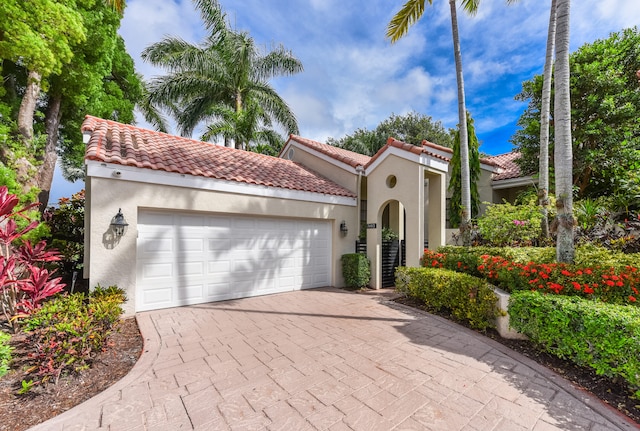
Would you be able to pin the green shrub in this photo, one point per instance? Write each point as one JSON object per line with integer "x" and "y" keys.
{"x": 600, "y": 336}
{"x": 67, "y": 332}
{"x": 615, "y": 284}
{"x": 516, "y": 254}
{"x": 467, "y": 298}
{"x": 5, "y": 353}
{"x": 356, "y": 270}
{"x": 589, "y": 255}
{"x": 506, "y": 224}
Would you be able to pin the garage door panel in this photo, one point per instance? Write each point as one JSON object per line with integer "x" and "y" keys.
{"x": 158, "y": 297}
{"x": 158, "y": 245}
{"x": 194, "y": 258}
{"x": 218, "y": 267}
{"x": 157, "y": 270}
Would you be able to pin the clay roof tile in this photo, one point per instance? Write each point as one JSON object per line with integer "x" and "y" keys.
{"x": 159, "y": 151}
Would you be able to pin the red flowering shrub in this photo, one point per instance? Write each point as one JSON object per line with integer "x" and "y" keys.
{"x": 24, "y": 280}
{"x": 604, "y": 283}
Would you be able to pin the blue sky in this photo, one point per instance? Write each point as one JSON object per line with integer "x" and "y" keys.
{"x": 355, "y": 78}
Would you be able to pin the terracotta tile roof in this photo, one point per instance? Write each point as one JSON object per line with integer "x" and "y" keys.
{"x": 345, "y": 156}
{"x": 427, "y": 145}
{"x": 392, "y": 142}
{"x": 123, "y": 144}
{"x": 507, "y": 162}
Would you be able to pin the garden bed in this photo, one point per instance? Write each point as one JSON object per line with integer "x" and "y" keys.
{"x": 20, "y": 412}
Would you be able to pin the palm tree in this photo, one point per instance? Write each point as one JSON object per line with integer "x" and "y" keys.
{"x": 398, "y": 27}
{"x": 226, "y": 71}
{"x": 249, "y": 125}
{"x": 543, "y": 181}
{"x": 563, "y": 151}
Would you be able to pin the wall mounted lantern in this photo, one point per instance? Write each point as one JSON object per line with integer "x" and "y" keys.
{"x": 119, "y": 224}
{"x": 343, "y": 228}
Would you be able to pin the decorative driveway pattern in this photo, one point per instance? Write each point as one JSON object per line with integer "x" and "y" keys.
{"x": 330, "y": 359}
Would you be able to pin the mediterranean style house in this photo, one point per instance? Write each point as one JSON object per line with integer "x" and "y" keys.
{"x": 175, "y": 221}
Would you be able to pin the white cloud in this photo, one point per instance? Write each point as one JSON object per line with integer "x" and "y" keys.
{"x": 355, "y": 78}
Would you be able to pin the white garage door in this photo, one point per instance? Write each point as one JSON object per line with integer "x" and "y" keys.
{"x": 194, "y": 258}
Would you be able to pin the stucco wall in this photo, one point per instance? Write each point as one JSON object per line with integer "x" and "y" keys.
{"x": 112, "y": 262}
{"x": 409, "y": 190}
{"x": 346, "y": 179}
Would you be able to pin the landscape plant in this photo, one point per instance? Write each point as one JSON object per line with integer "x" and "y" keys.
{"x": 605, "y": 338}
{"x": 467, "y": 298}
{"x": 615, "y": 280}
{"x": 5, "y": 353}
{"x": 25, "y": 280}
{"x": 66, "y": 226}
{"x": 66, "y": 333}
{"x": 356, "y": 270}
{"x": 508, "y": 225}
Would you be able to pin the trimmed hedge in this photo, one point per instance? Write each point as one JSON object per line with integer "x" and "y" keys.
{"x": 467, "y": 298}
{"x": 356, "y": 270}
{"x": 603, "y": 337}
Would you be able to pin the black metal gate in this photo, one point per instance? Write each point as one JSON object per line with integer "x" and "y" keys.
{"x": 393, "y": 255}
{"x": 390, "y": 260}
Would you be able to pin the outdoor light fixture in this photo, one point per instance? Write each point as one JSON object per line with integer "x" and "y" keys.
{"x": 119, "y": 224}
{"x": 343, "y": 228}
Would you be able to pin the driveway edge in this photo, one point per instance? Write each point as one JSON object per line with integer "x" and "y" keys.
{"x": 150, "y": 351}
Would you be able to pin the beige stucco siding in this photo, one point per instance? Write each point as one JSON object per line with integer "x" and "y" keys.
{"x": 115, "y": 262}
{"x": 326, "y": 167}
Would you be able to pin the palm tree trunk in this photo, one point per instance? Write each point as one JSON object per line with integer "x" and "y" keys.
{"x": 543, "y": 192}
{"x": 465, "y": 222}
{"x": 563, "y": 155}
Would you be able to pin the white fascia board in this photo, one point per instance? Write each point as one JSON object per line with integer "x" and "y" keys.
{"x": 322, "y": 156}
{"x": 514, "y": 182}
{"x": 491, "y": 168}
{"x": 438, "y": 152}
{"x": 149, "y": 176}
{"x": 423, "y": 159}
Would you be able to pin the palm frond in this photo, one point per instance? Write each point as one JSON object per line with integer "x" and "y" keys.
{"x": 405, "y": 18}
{"x": 471, "y": 6}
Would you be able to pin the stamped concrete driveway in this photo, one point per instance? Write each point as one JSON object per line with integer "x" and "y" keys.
{"x": 330, "y": 359}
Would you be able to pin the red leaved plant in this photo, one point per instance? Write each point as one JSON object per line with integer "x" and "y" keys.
{"x": 24, "y": 282}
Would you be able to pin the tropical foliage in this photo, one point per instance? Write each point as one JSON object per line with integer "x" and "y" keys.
{"x": 25, "y": 280}
{"x": 412, "y": 128}
{"x": 222, "y": 85}
{"x": 60, "y": 60}
{"x": 605, "y": 110}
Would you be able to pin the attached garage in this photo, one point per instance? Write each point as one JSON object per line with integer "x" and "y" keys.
{"x": 191, "y": 258}
{"x": 208, "y": 223}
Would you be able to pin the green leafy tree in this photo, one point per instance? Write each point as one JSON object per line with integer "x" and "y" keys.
{"x": 455, "y": 210}
{"x": 40, "y": 36}
{"x": 226, "y": 70}
{"x": 605, "y": 131}
{"x": 605, "y": 106}
{"x": 411, "y": 128}
{"x": 90, "y": 75}
{"x": 113, "y": 95}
